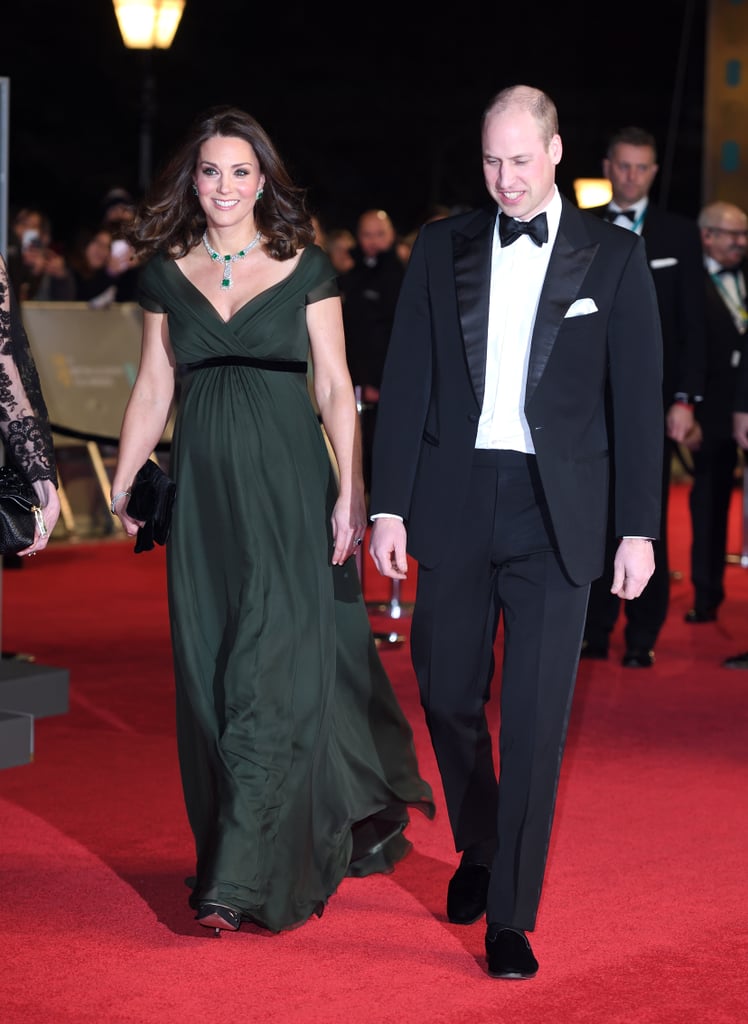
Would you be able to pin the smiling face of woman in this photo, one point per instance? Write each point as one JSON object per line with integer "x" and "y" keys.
{"x": 228, "y": 177}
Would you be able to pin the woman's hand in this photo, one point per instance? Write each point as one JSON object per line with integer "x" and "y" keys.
{"x": 118, "y": 508}
{"x": 348, "y": 527}
{"x": 49, "y": 505}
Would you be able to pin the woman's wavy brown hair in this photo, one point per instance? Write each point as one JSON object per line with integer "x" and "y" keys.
{"x": 170, "y": 219}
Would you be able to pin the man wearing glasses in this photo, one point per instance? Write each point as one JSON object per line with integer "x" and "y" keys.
{"x": 724, "y": 237}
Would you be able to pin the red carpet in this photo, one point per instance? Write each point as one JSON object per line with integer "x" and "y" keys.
{"x": 644, "y": 916}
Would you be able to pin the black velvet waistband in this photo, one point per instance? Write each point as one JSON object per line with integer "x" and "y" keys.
{"x": 284, "y": 365}
{"x": 502, "y": 458}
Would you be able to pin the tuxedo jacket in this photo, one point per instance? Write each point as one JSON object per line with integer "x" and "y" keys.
{"x": 675, "y": 258}
{"x": 597, "y": 328}
{"x": 369, "y": 295}
{"x": 726, "y": 352}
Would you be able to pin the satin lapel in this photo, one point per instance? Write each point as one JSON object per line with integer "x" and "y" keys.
{"x": 472, "y": 260}
{"x": 566, "y": 271}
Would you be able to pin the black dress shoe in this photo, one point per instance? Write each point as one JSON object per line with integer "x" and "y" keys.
{"x": 467, "y": 894}
{"x": 594, "y": 652}
{"x": 509, "y": 954}
{"x": 637, "y": 658}
{"x": 700, "y": 615}
{"x": 736, "y": 661}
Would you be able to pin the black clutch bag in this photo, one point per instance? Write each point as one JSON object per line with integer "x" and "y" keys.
{"x": 151, "y": 500}
{"x": 20, "y": 513}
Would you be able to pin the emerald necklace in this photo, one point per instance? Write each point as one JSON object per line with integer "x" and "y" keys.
{"x": 226, "y": 281}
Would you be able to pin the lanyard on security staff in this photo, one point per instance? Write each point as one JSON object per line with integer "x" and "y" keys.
{"x": 637, "y": 225}
{"x": 630, "y": 225}
{"x": 736, "y": 305}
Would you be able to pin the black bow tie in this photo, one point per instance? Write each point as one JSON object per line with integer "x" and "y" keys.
{"x": 726, "y": 270}
{"x": 510, "y": 229}
{"x": 612, "y": 214}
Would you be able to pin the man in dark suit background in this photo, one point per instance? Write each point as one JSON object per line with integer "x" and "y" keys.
{"x": 369, "y": 290}
{"x": 724, "y": 238}
{"x": 674, "y": 254}
{"x": 491, "y": 466}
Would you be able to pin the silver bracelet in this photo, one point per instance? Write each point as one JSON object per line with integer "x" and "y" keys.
{"x": 115, "y": 499}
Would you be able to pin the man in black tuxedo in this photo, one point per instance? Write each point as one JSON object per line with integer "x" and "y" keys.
{"x": 724, "y": 239}
{"x": 673, "y": 250}
{"x": 491, "y": 466}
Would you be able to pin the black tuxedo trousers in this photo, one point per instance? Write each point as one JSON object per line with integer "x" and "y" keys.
{"x": 505, "y": 566}
{"x": 714, "y": 466}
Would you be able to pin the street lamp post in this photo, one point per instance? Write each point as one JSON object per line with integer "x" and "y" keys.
{"x": 147, "y": 25}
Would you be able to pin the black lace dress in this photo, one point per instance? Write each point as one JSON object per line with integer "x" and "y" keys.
{"x": 24, "y": 422}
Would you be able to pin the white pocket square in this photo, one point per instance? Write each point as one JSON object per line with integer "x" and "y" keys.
{"x": 582, "y": 307}
{"x": 666, "y": 261}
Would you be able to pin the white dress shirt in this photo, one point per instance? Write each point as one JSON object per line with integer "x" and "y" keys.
{"x": 517, "y": 274}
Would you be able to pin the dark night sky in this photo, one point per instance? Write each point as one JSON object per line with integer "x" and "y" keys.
{"x": 371, "y": 105}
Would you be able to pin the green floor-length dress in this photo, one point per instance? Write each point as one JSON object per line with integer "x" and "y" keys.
{"x": 297, "y": 763}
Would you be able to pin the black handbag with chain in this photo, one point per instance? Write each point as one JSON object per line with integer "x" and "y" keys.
{"x": 152, "y": 501}
{"x": 20, "y": 513}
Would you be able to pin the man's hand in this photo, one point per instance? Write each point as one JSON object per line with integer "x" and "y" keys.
{"x": 679, "y": 421}
{"x": 694, "y": 437}
{"x": 632, "y": 567}
{"x": 387, "y": 547}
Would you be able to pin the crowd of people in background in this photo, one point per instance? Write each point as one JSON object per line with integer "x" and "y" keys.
{"x": 95, "y": 266}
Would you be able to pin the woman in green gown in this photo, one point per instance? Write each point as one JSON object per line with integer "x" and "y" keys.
{"x": 298, "y": 765}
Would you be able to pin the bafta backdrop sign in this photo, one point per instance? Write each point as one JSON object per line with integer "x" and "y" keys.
{"x": 87, "y": 361}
